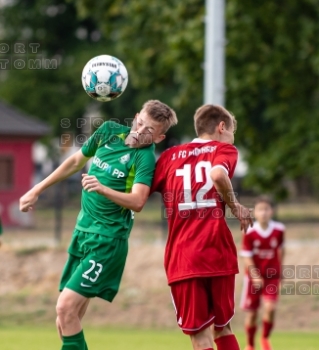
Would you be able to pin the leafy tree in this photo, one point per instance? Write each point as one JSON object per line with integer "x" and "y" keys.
{"x": 272, "y": 70}
{"x": 56, "y": 93}
{"x": 272, "y": 81}
{"x": 162, "y": 45}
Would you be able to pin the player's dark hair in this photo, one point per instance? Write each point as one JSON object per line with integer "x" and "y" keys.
{"x": 161, "y": 113}
{"x": 207, "y": 117}
{"x": 264, "y": 199}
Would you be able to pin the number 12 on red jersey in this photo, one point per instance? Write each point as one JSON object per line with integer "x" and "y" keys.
{"x": 200, "y": 202}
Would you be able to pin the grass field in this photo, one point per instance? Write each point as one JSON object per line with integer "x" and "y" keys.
{"x": 28, "y": 295}
{"x": 38, "y": 338}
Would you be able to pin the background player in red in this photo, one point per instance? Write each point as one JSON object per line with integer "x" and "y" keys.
{"x": 263, "y": 253}
{"x": 200, "y": 255}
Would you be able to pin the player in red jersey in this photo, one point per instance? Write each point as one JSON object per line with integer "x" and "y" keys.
{"x": 200, "y": 254}
{"x": 263, "y": 253}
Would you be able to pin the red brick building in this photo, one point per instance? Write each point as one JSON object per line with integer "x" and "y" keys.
{"x": 17, "y": 135}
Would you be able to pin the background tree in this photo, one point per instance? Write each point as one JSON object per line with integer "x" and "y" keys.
{"x": 272, "y": 81}
{"x": 53, "y": 94}
{"x": 162, "y": 46}
{"x": 272, "y": 70}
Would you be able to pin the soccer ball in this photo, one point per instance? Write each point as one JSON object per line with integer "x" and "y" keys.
{"x": 104, "y": 78}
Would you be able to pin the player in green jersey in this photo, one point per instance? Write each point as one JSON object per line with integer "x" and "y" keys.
{"x": 117, "y": 184}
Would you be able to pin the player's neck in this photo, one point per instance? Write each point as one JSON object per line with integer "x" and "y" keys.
{"x": 264, "y": 225}
{"x": 208, "y": 137}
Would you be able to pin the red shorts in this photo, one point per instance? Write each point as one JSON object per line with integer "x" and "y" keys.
{"x": 251, "y": 294}
{"x": 201, "y": 302}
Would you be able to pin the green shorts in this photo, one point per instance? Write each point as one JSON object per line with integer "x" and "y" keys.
{"x": 95, "y": 265}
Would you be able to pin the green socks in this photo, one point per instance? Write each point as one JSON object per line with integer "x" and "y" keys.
{"x": 74, "y": 342}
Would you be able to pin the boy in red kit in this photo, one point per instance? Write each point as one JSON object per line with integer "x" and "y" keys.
{"x": 200, "y": 254}
{"x": 263, "y": 253}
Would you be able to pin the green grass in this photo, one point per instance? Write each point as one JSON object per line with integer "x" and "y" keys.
{"x": 40, "y": 338}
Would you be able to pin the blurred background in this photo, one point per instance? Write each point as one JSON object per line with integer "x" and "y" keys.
{"x": 271, "y": 62}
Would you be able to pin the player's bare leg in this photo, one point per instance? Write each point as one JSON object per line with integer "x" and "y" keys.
{"x": 268, "y": 322}
{"x": 70, "y": 307}
{"x": 269, "y": 311}
{"x": 202, "y": 340}
{"x": 81, "y": 314}
{"x": 225, "y": 339}
{"x": 251, "y": 328}
{"x": 58, "y": 327}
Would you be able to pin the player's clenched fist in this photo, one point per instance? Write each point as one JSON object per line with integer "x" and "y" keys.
{"x": 28, "y": 200}
{"x": 91, "y": 183}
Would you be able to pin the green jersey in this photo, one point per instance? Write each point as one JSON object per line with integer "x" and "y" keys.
{"x": 116, "y": 166}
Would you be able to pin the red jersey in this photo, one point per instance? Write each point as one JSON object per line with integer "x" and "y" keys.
{"x": 199, "y": 242}
{"x": 263, "y": 247}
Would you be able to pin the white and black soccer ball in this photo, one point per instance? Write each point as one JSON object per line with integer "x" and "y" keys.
{"x": 104, "y": 78}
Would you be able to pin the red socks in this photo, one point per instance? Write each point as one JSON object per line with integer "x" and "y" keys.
{"x": 251, "y": 331}
{"x": 227, "y": 342}
{"x": 267, "y": 327}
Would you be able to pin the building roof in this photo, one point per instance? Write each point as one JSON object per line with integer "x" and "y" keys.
{"x": 13, "y": 122}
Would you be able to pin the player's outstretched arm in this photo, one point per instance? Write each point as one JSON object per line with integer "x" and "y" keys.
{"x": 70, "y": 166}
{"x": 135, "y": 200}
{"x": 224, "y": 187}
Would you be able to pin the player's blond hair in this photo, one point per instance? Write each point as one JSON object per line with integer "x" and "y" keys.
{"x": 161, "y": 113}
{"x": 207, "y": 117}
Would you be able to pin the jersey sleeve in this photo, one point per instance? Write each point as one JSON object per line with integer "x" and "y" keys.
{"x": 92, "y": 144}
{"x": 226, "y": 158}
{"x": 247, "y": 246}
{"x": 144, "y": 166}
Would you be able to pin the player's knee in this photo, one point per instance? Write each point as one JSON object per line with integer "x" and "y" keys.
{"x": 202, "y": 340}
{"x": 270, "y": 307}
{"x": 226, "y": 330}
{"x": 251, "y": 318}
{"x": 64, "y": 312}
{"x": 201, "y": 343}
{"x": 60, "y": 310}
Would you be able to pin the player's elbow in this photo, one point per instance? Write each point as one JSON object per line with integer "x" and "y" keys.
{"x": 139, "y": 204}
{"x": 138, "y": 207}
{"x": 139, "y": 196}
